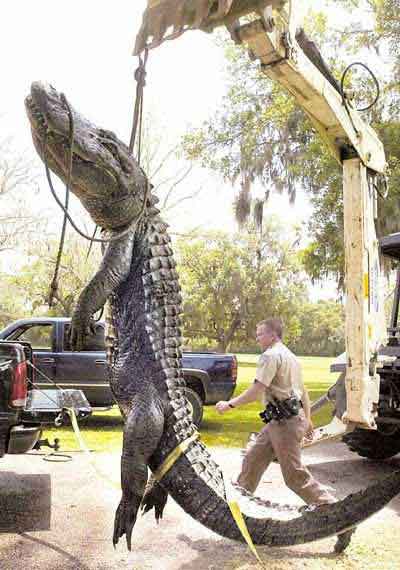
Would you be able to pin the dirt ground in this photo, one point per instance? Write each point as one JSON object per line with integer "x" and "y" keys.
{"x": 76, "y": 534}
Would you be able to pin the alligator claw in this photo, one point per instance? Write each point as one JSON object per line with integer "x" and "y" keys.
{"x": 125, "y": 519}
{"x": 343, "y": 540}
{"x": 155, "y": 496}
{"x": 79, "y": 332}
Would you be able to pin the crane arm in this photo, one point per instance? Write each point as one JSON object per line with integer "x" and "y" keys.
{"x": 275, "y": 38}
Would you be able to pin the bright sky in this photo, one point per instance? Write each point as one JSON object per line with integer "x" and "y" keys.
{"x": 84, "y": 49}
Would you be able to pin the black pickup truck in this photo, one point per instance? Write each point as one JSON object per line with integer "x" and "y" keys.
{"x": 210, "y": 377}
{"x": 16, "y": 434}
{"x": 24, "y": 409}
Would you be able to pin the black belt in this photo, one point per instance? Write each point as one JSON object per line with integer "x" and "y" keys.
{"x": 281, "y": 409}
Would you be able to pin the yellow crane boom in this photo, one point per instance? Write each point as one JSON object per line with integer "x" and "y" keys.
{"x": 274, "y": 38}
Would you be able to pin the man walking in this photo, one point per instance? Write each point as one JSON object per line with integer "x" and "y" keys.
{"x": 287, "y": 414}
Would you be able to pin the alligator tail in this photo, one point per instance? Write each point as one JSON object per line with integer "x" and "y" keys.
{"x": 202, "y": 494}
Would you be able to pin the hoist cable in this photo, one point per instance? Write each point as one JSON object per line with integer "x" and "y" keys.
{"x": 140, "y": 76}
{"x": 342, "y": 80}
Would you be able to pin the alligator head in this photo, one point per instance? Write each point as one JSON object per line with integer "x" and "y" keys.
{"x": 105, "y": 177}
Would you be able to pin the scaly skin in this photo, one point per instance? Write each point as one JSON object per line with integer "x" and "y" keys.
{"x": 138, "y": 279}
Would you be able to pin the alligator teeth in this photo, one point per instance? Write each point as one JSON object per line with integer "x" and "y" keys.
{"x": 170, "y": 341}
{"x": 161, "y": 323}
{"x": 175, "y": 394}
{"x": 179, "y": 403}
{"x": 173, "y": 321}
{"x": 180, "y": 413}
{"x": 160, "y": 226}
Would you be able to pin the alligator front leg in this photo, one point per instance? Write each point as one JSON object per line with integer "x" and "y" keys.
{"x": 142, "y": 432}
{"x": 113, "y": 270}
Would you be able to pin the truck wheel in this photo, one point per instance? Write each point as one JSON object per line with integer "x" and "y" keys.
{"x": 373, "y": 444}
{"x": 195, "y": 404}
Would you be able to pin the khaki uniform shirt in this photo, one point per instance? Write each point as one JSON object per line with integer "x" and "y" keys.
{"x": 280, "y": 372}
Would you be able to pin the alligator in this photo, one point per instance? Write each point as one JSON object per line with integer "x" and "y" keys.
{"x": 138, "y": 280}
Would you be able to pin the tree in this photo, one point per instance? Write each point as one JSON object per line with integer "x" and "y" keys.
{"x": 31, "y": 284}
{"x": 260, "y": 135}
{"x": 17, "y": 177}
{"x": 169, "y": 173}
{"x": 231, "y": 283}
{"x": 322, "y": 329}
{"x": 11, "y": 302}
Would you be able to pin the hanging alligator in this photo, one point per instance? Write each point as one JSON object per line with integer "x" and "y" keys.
{"x": 139, "y": 281}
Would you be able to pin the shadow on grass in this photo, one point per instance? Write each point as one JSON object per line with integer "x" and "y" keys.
{"x": 101, "y": 421}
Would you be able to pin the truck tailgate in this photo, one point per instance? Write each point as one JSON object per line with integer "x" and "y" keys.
{"x": 46, "y": 405}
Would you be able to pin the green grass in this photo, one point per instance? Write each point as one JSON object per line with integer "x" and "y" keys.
{"x": 102, "y": 431}
{"x": 232, "y": 429}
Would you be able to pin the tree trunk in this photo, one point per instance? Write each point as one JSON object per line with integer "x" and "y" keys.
{"x": 226, "y": 339}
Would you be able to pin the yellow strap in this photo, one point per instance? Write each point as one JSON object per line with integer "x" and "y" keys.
{"x": 84, "y": 448}
{"x": 173, "y": 456}
{"x": 366, "y": 285}
{"x": 239, "y": 520}
{"x": 233, "y": 505}
{"x": 161, "y": 471}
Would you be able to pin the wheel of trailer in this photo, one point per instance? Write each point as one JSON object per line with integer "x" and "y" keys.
{"x": 195, "y": 404}
{"x": 374, "y": 444}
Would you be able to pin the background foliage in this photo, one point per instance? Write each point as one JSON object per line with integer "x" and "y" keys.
{"x": 259, "y": 138}
{"x": 231, "y": 283}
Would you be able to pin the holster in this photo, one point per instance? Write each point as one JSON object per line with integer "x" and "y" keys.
{"x": 281, "y": 410}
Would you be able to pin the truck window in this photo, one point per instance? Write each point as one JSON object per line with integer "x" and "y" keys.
{"x": 39, "y": 336}
{"x": 93, "y": 343}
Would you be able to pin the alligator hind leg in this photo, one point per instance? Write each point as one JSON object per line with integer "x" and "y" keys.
{"x": 155, "y": 496}
{"x": 142, "y": 432}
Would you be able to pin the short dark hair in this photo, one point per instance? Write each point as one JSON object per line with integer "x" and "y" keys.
{"x": 273, "y": 324}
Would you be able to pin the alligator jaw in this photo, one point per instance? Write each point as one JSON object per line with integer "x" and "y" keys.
{"x": 105, "y": 176}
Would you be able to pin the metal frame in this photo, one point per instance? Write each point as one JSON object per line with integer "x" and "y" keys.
{"x": 291, "y": 59}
